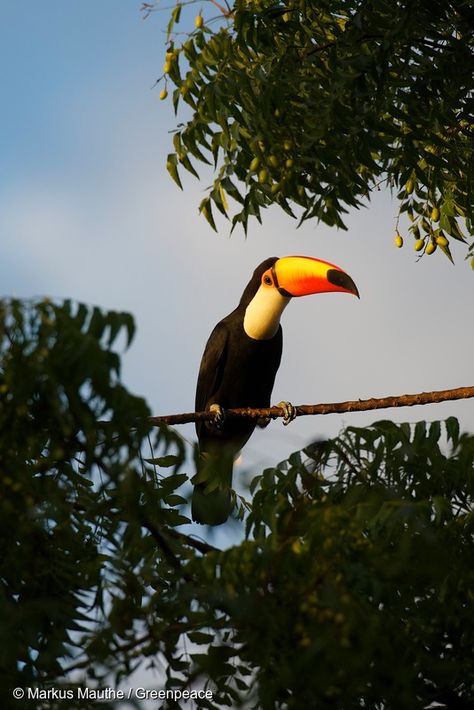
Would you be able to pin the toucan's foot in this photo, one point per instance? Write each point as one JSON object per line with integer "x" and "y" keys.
{"x": 289, "y": 412}
{"x": 219, "y": 415}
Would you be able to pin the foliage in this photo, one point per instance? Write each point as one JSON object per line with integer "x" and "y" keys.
{"x": 65, "y": 505}
{"x": 352, "y": 587}
{"x": 312, "y": 105}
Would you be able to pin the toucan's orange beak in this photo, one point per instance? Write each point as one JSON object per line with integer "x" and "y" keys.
{"x": 303, "y": 275}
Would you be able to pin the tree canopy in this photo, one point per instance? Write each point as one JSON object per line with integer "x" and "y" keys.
{"x": 352, "y": 586}
{"x": 313, "y": 105}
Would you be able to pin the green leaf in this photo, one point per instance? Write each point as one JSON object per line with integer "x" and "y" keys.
{"x": 206, "y": 210}
{"x": 164, "y": 461}
{"x": 452, "y": 430}
{"x": 200, "y": 637}
{"x": 171, "y": 166}
{"x": 447, "y": 252}
{"x": 174, "y": 19}
{"x": 175, "y": 500}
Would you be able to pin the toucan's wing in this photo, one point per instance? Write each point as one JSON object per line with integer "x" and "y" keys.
{"x": 211, "y": 503}
{"x": 212, "y": 366}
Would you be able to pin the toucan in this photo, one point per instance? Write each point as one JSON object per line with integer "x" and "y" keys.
{"x": 238, "y": 369}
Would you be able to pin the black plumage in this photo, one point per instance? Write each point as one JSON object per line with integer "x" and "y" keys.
{"x": 236, "y": 371}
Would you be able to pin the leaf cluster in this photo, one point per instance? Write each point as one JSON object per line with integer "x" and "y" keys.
{"x": 59, "y": 375}
{"x": 353, "y": 588}
{"x": 313, "y": 105}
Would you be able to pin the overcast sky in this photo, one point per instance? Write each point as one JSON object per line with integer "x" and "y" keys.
{"x": 87, "y": 211}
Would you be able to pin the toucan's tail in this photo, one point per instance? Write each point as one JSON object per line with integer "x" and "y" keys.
{"x": 211, "y": 503}
{"x": 210, "y": 507}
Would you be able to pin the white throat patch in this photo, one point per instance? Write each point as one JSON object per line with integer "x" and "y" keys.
{"x": 262, "y": 315}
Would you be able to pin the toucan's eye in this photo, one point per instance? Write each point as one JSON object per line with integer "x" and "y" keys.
{"x": 267, "y": 280}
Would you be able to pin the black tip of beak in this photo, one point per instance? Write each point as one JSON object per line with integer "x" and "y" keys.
{"x": 340, "y": 278}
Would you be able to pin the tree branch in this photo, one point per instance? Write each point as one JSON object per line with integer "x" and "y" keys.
{"x": 226, "y": 12}
{"x": 198, "y": 545}
{"x": 162, "y": 542}
{"x": 358, "y": 405}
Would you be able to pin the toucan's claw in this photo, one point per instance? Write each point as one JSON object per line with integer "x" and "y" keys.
{"x": 219, "y": 415}
{"x": 289, "y": 412}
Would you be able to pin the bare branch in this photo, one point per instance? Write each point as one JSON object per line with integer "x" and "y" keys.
{"x": 358, "y": 405}
{"x": 226, "y": 12}
{"x": 160, "y": 539}
{"x": 197, "y": 544}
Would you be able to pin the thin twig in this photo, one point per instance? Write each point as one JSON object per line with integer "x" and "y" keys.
{"x": 225, "y": 12}
{"x": 358, "y": 405}
{"x": 198, "y": 545}
{"x": 162, "y": 542}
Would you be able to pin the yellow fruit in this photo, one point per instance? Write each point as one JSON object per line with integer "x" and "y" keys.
{"x": 289, "y": 162}
{"x": 472, "y": 263}
{"x": 163, "y": 94}
{"x": 263, "y": 175}
{"x": 198, "y": 21}
{"x": 169, "y": 56}
{"x": 273, "y": 160}
{"x": 297, "y": 547}
{"x": 435, "y": 214}
{"x": 254, "y": 165}
{"x": 398, "y": 240}
{"x": 431, "y": 248}
{"x": 409, "y": 186}
{"x": 166, "y": 67}
{"x": 287, "y": 145}
{"x": 419, "y": 244}
{"x": 442, "y": 241}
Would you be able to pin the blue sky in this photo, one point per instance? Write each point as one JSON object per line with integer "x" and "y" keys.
{"x": 87, "y": 211}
